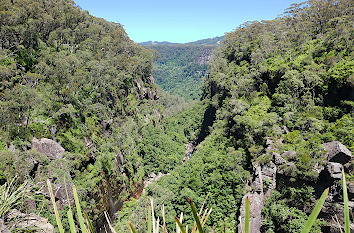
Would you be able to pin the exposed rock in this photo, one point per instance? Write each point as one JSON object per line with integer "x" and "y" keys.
{"x": 337, "y": 152}
{"x": 273, "y": 145}
{"x": 278, "y": 160}
{"x": 60, "y": 195}
{"x": 50, "y": 148}
{"x": 350, "y": 186}
{"x": 265, "y": 174}
{"x": 335, "y": 170}
{"x": 3, "y": 227}
{"x": 53, "y": 130}
{"x": 21, "y": 220}
{"x": 290, "y": 155}
{"x": 12, "y": 148}
{"x": 256, "y": 206}
{"x": 106, "y": 124}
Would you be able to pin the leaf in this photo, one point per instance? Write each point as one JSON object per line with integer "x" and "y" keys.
{"x": 78, "y": 210}
{"x": 195, "y": 215}
{"x": 89, "y": 223}
{"x": 132, "y": 228}
{"x": 57, "y": 217}
{"x": 109, "y": 223}
{"x": 71, "y": 221}
{"x": 149, "y": 220}
{"x": 346, "y": 206}
{"x": 311, "y": 220}
{"x": 247, "y": 216}
{"x": 180, "y": 225}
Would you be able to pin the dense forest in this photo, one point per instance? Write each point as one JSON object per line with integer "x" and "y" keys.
{"x": 79, "y": 106}
{"x": 179, "y": 68}
{"x": 275, "y": 93}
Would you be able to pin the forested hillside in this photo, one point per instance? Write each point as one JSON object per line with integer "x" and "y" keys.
{"x": 179, "y": 68}
{"x": 78, "y": 104}
{"x": 275, "y": 93}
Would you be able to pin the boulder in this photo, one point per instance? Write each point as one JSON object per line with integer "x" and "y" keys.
{"x": 278, "y": 160}
{"x": 256, "y": 206}
{"x": 335, "y": 170}
{"x": 50, "y": 148}
{"x": 337, "y": 152}
{"x": 21, "y": 220}
{"x": 290, "y": 155}
{"x": 3, "y": 227}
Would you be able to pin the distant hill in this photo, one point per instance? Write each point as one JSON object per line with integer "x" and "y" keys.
{"x": 209, "y": 41}
{"x": 180, "y": 67}
{"x": 151, "y": 43}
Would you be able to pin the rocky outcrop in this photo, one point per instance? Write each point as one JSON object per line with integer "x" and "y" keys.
{"x": 337, "y": 152}
{"x": 256, "y": 206}
{"x": 3, "y": 227}
{"x": 268, "y": 177}
{"x": 278, "y": 159}
{"x": 31, "y": 221}
{"x": 262, "y": 186}
{"x": 335, "y": 170}
{"x": 50, "y": 148}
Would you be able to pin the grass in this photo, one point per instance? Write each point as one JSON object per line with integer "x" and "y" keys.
{"x": 12, "y": 196}
{"x": 83, "y": 227}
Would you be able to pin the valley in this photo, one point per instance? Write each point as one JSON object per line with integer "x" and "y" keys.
{"x": 264, "y": 113}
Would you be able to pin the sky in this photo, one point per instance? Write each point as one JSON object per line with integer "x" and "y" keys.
{"x": 183, "y": 20}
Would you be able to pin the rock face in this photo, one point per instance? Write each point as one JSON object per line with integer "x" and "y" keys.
{"x": 337, "y": 152}
{"x": 3, "y": 227}
{"x": 256, "y": 206}
{"x": 268, "y": 177}
{"x": 21, "y": 220}
{"x": 278, "y": 160}
{"x": 50, "y": 148}
{"x": 264, "y": 184}
{"x": 335, "y": 170}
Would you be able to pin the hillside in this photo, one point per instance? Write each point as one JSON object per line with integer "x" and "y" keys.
{"x": 264, "y": 113}
{"x": 278, "y": 101}
{"x": 179, "y": 68}
{"x": 77, "y": 106}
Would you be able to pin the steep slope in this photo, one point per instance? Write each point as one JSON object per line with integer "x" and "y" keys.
{"x": 76, "y": 94}
{"x": 276, "y": 91}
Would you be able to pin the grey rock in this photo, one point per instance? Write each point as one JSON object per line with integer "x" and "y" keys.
{"x": 291, "y": 154}
{"x": 21, "y": 220}
{"x": 3, "y": 227}
{"x": 337, "y": 152}
{"x": 269, "y": 170}
{"x": 335, "y": 170}
{"x": 278, "y": 160}
{"x": 256, "y": 206}
{"x": 50, "y": 148}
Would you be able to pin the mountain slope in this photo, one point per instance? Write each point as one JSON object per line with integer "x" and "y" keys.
{"x": 80, "y": 84}
{"x": 276, "y": 92}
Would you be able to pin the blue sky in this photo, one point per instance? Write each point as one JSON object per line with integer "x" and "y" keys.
{"x": 183, "y": 20}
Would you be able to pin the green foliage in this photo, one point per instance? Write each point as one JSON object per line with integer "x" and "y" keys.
{"x": 180, "y": 68}
{"x": 12, "y": 195}
{"x": 312, "y": 218}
